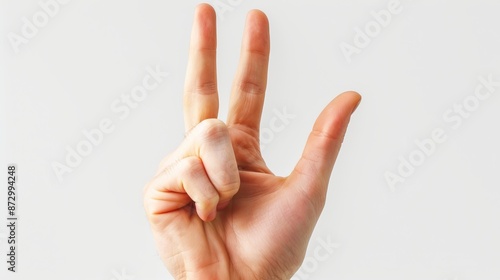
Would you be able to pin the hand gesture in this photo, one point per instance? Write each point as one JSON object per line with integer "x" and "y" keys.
{"x": 216, "y": 210}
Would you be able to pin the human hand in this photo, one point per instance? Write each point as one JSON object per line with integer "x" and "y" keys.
{"x": 216, "y": 210}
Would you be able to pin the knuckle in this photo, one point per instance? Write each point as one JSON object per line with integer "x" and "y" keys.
{"x": 226, "y": 181}
{"x": 207, "y": 88}
{"x": 224, "y": 175}
{"x": 250, "y": 87}
{"x": 213, "y": 129}
{"x": 192, "y": 167}
{"x": 229, "y": 181}
{"x": 229, "y": 190}
{"x": 150, "y": 207}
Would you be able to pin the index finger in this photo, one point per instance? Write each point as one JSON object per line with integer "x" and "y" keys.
{"x": 201, "y": 99}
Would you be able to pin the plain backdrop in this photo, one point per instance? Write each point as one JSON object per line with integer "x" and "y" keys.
{"x": 425, "y": 69}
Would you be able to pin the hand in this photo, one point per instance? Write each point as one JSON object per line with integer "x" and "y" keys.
{"x": 216, "y": 210}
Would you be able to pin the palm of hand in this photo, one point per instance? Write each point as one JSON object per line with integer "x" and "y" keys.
{"x": 264, "y": 223}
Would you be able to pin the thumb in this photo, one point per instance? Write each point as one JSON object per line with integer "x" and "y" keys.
{"x": 312, "y": 172}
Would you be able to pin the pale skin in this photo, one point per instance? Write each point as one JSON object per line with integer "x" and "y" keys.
{"x": 215, "y": 209}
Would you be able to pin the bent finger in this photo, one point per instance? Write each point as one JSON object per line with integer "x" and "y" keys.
{"x": 178, "y": 186}
{"x": 210, "y": 141}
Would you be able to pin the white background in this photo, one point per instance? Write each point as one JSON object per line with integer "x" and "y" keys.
{"x": 441, "y": 223}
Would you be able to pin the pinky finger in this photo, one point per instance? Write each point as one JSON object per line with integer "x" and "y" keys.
{"x": 180, "y": 185}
